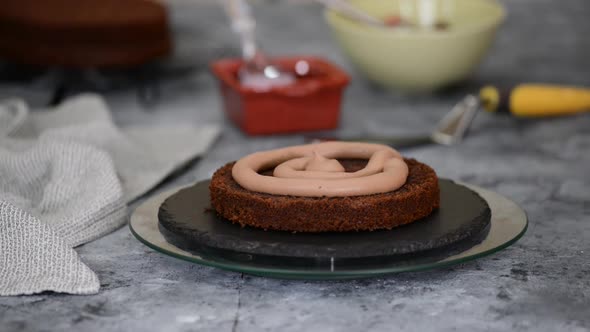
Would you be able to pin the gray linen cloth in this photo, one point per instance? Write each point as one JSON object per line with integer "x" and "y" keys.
{"x": 66, "y": 176}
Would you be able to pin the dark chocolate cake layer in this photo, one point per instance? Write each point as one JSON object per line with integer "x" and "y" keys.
{"x": 416, "y": 199}
{"x": 84, "y": 33}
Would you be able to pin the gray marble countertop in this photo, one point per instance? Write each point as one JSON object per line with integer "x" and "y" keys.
{"x": 542, "y": 283}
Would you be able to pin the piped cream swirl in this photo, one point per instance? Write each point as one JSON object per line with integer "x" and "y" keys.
{"x": 312, "y": 170}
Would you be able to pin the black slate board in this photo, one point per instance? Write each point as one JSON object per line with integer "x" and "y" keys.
{"x": 186, "y": 221}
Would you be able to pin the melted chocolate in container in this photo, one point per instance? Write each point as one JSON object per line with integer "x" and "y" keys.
{"x": 462, "y": 221}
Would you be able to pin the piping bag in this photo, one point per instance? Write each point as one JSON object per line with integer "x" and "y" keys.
{"x": 523, "y": 100}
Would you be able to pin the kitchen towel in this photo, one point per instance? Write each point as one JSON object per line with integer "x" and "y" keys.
{"x": 66, "y": 176}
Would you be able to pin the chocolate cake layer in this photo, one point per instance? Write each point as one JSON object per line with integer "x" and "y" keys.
{"x": 83, "y": 33}
{"x": 415, "y": 200}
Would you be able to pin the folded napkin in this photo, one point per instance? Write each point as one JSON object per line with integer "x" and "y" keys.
{"x": 66, "y": 176}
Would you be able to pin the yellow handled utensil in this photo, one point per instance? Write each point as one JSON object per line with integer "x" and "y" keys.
{"x": 524, "y": 100}
{"x": 536, "y": 100}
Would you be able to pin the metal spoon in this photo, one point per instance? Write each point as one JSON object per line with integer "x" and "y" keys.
{"x": 346, "y": 9}
{"x": 258, "y": 72}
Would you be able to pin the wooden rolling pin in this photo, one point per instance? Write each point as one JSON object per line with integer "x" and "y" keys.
{"x": 536, "y": 100}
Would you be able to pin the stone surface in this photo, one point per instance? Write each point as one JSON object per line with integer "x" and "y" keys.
{"x": 186, "y": 221}
{"x": 542, "y": 283}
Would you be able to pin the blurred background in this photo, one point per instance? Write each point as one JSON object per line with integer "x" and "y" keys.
{"x": 539, "y": 41}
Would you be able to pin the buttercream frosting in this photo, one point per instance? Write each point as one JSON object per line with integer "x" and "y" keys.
{"x": 313, "y": 170}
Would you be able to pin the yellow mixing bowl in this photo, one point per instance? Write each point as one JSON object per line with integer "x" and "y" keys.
{"x": 418, "y": 59}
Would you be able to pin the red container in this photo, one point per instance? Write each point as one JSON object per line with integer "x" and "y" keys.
{"x": 311, "y": 103}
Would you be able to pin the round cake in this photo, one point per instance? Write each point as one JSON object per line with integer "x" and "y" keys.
{"x": 84, "y": 33}
{"x": 326, "y": 187}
